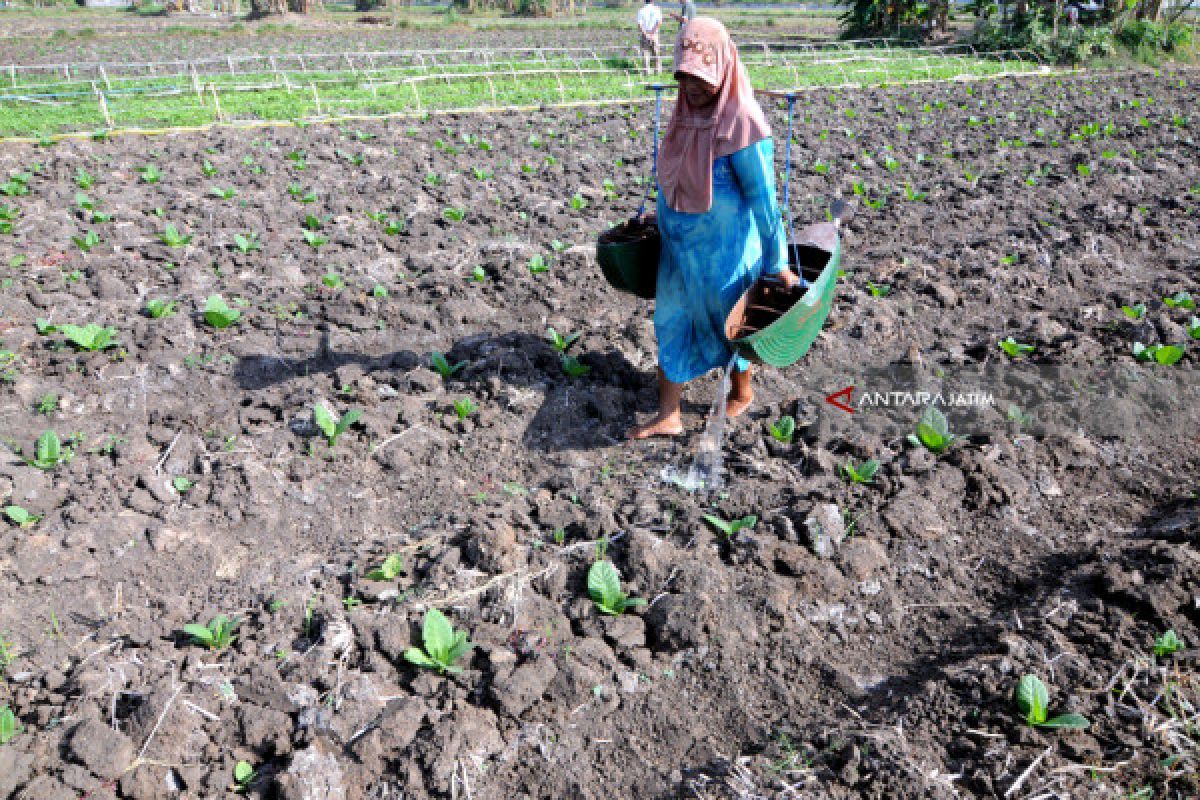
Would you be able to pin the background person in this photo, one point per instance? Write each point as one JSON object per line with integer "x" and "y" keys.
{"x": 687, "y": 13}
{"x": 649, "y": 20}
{"x": 718, "y": 216}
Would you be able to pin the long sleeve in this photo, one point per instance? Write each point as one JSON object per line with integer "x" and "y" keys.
{"x": 754, "y": 167}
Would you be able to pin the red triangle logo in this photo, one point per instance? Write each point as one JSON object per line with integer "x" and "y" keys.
{"x": 836, "y": 398}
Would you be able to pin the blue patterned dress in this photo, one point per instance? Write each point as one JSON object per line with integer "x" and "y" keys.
{"x": 709, "y": 259}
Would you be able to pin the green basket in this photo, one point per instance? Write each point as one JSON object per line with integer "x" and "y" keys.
{"x": 628, "y": 256}
{"x": 771, "y": 324}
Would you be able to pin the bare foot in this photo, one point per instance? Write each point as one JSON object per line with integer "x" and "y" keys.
{"x": 669, "y": 425}
{"x": 737, "y": 403}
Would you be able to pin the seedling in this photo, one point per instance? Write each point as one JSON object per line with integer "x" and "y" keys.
{"x": 243, "y": 775}
{"x": 559, "y": 342}
{"x": 393, "y": 227}
{"x": 444, "y": 367}
{"x": 90, "y": 337}
{"x": 47, "y": 404}
{"x": 572, "y": 367}
{"x": 933, "y": 432}
{"x": 1167, "y": 644}
{"x": 1134, "y": 312}
{"x": 332, "y": 426}
{"x": 1015, "y": 414}
{"x": 87, "y": 241}
{"x": 443, "y": 645}
{"x": 247, "y": 243}
{"x": 218, "y": 634}
{"x": 218, "y": 314}
{"x": 731, "y": 528}
{"x": 578, "y": 202}
{"x": 451, "y": 214}
{"x": 784, "y": 430}
{"x": 913, "y": 195}
{"x": 1193, "y": 327}
{"x": 20, "y": 517}
{"x": 1015, "y": 349}
{"x": 182, "y": 484}
{"x": 171, "y": 237}
{"x": 333, "y": 281}
{"x": 538, "y": 265}
{"x": 160, "y": 307}
{"x": 389, "y": 570}
{"x": 859, "y": 473}
{"x": 1032, "y": 701}
{"x": 604, "y": 587}
{"x": 464, "y": 407}
{"x": 479, "y": 275}
{"x": 17, "y": 185}
{"x": 1180, "y": 300}
{"x": 49, "y": 452}
{"x": 83, "y": 179}
{"x": 379, "y": 291}
{"x": 1165, "y": 354}
{"x": 879, "y": 290}
{"x": 9, "y": 727}
{"x": 149, "y": 173}
{"x": 206, "y": 168}
{"x": 224, "y": 194}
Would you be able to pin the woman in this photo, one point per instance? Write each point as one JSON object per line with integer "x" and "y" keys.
{"x": 720, "y": 223}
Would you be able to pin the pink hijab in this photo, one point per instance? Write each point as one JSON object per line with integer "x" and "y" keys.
{"x": 697, "y": 136}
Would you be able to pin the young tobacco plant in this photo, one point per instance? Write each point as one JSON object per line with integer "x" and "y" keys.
{"x": 1182, "y": 300}
{"x": 783, "y": 430}
{"x": 160, "y": 307}
{"x": 1167, "y": 644}
{"x": 933, "y": 432}
{"x": 1193, "y": 327}
{"x": 246, "y": 243}
{"x": 1033, "y": 704}
{"x": 49, "y": 452}
{"x": 171, "y": 237}
{"x": 90, "y": 337}
{"x": 21, "y": 517}
{"x": 1134, "y": 312}
{"x": 604, "y": 587}
{"x": 389, "y": 570}
{"x": 9, "y": 727}
{"x": 1014, "y": 349}
{"x": 443, "y": 645}
{"x": 1164, "y": 354}
{"x": 218, "y": 314}
{"x": 465, "y": 407}
{"x": 332, "y": 426}
{"x": 218, "y": 634}
{"x": 859, "y": 473}
{"x": 731, "y": 528}
{"x": 243, "y": 775}
{"x": 444, "y": 367}
{"x": 560, "y": 343}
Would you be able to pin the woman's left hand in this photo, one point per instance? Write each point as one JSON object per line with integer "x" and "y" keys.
{"x": 787, "y": 278}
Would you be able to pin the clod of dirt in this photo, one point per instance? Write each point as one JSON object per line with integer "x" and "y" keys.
{"x": 679, "y": 621}
{"x": 516, "y": 691}
{"x": 826, "y": 529}
{"x": 312, "y": 775}
{"x": 101, "y": 749}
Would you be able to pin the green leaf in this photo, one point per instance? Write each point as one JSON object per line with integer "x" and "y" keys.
{"x": 438, "y": 635}
{"x": 182, "y": 484}
{"x": 1032, "y": 699}
{"x": 48, "y": 450}
{"x": 417, "y": 656}
{"x": 1168, "y": 643}
{"x": 721, "y": 525}
{"x": 1066, "y": 721}
{"x": 243, "y": 772}
{"x": 1134, "y": 312}
{"x": 9, "y": 727}
{"x": 392, "y": 566}
{"x": 218, "y": 314}
{"x": 349, "y": 418}
{"x": 199, "y": 633}
{"x": 324, "y": 419}
{"x": 604, "y": 586}
{"x": 1168, "y": 354}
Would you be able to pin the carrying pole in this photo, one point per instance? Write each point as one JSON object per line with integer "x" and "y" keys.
{"x": 658, "y": 89}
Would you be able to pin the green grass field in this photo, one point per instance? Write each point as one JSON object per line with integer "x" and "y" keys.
{"x": 39, "y": 110}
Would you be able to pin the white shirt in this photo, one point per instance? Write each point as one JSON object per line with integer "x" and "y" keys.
{"x": 649, "y": 18}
